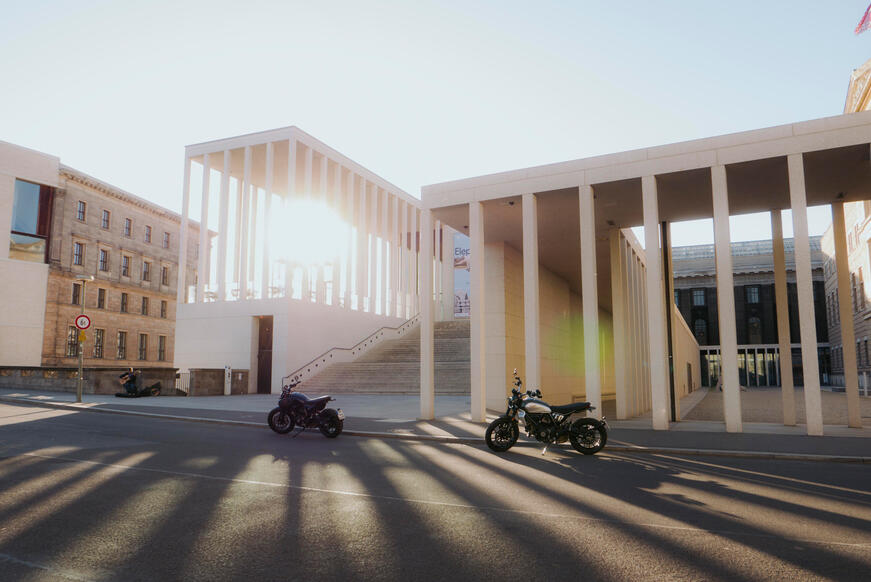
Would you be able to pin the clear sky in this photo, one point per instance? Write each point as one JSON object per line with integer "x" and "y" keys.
{"x": 419, "y": 91}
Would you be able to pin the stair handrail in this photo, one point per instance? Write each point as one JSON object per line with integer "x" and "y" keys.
{"x": 356, "y": 350}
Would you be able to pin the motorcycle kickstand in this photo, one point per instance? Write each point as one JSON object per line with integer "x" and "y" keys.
{"x": 302, "y": 428}
{"x": 544, "y": 450}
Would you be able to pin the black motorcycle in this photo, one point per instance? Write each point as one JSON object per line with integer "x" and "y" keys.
{"x": 296, "y": 409}
{"x": 548, "y": 424}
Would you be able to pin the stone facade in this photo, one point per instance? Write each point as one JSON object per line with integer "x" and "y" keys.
{"x": 131, "y": 248}
{"x": 857, "y": 219}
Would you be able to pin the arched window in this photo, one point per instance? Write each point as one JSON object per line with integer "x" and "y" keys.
{"x": 700, "y": 330}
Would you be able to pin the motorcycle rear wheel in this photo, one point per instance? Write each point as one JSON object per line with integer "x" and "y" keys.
{"x": 280, "y": 421}
{"x": 587, "y": 436}
{"x": 332, "y": 425}
{"x": 501, "y": 434}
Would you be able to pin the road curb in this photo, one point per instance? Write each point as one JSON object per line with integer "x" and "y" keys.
{"x": 447, "y": 439}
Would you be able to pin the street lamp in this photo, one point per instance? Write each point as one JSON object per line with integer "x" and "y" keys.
{"x": 84, "y": 279}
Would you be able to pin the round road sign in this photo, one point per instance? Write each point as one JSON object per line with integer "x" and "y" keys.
{"x": 83, "y": 322}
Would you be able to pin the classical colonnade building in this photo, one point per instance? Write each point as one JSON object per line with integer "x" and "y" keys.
{"x": 560, "y": 287}
{"x": 559, "y": 230}
{"x": 308, "y": 251}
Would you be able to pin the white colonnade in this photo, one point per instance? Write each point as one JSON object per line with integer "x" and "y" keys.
{"x": 378, "y": 273}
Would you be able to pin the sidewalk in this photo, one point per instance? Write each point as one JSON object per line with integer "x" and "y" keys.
{"x": 394, "y": 416}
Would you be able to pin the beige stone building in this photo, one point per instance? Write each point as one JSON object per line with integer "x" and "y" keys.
{"x": 82, "y": 228}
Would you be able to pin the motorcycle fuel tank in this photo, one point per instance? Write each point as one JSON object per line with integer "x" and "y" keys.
{"x": 535, "y": 406}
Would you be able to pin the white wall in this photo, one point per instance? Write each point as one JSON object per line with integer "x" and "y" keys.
{"x": 562, "y": 332}
{"x": 214, "y": 335}
{"x": 22, "y": 311}
{"x": 22, "y": 284}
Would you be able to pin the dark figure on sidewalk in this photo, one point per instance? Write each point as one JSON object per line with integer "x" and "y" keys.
{"x": 128, "y": 380}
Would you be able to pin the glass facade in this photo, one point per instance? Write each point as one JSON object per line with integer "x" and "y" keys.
{"x": 31, "y": 218}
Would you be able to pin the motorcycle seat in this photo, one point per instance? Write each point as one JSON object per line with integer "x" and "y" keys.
{"x": 569, "y": 408}
{"x": 318, "y": 400}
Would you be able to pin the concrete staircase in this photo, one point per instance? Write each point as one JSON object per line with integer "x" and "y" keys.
{"x": 393, "y": 367}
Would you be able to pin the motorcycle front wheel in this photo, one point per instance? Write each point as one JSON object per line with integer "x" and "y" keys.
{"x": 280, "y": 421}
{"x": 331, "y": 425}
{"x": 501, "y": 434}
{"x": 588, "y": 436}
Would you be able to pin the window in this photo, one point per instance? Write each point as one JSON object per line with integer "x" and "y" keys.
{"x": 125, "y": 266}
{"x": 122, "y": 345}
{"x": 77, "y": 294}
{"x": 163, "y": 305}
{"x": 123, "y": 303}
{"x": 861, "y": 290}
{"x": 72, "y": 342}
{"x": 752, "y": 294}
{"x": 78, "y": 253}
{"x": 700, "y": 330}
{"x": 31, "y": 221}
{"x": 164, "y": 275}
{"x": 101, "y": 299}
{"x": 81, "y": 210}
{"x": 105, "y": 221}
{"x": 698, "y": 297}
{"x": 853, "y": 289}
{"x": 865, "y": 343}
{"x": 143, "y": 346}
{"x": 104, "y": 260}
{"x": 166, "y": 240}
{"x": 161, "y": 348}
{"x": 146, "y": 271}
{"x": 676, "y": 297}
{"x": 145, "y": 306}
{"x": 128, "y": 227}
{"x": 99, "y": 335}
{"x": 148, "y": 234}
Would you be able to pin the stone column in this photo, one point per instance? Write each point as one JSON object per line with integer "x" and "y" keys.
{"x": 437, "y": 271}
{"x": 414, "y": 269}
{"x": 845, "y": 312}
{"x": 532, "y": 347}
{"x": 404, "y": 263}
{"x": 237, "y": 246}
{"x": 243, "y": 237}
{"x": 290, "y": 195}
{"x": 321, "y": 285}
{"x": 223, "y": 226}
{"x": 350, "y": 258}
{"x": 477, "y": 313}
{"x": 804, "y": 286}
{"x": 204, "y": 232}
{"x": 385, "y": 258}
{"x": 266, "y": 280}
{"x": 618, "y": 316}
{"x": 726, "y": 302}
{"x": 427, "y": 325}
{"x": 373, "y": 251}
{"x": 655, "y": 308}
{"x": 181, "y": 292}
{"x": 781, "y": 304}
{"x": 363, "y": 249}
{"x": 396, "y": 257}
{"x": 589, "y": 298}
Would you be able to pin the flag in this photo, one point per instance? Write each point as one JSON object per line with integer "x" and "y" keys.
{"x": 865, "y": 23}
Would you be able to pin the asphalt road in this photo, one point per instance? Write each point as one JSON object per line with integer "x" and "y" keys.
{"x": 102, "y": 497}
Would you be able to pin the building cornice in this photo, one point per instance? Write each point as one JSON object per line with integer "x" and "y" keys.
{"x": 119, "y": 194}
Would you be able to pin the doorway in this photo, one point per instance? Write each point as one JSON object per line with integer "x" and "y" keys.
{"x": 264, "y": 355}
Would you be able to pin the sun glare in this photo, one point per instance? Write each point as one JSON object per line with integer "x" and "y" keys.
{"x": 307, "y": 232}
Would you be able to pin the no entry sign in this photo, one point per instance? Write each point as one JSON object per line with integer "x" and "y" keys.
{"x": 83, "y": 322}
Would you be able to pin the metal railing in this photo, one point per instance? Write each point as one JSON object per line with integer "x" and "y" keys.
{"x": 336, "y": 355}
{"x": 183, "y": 383}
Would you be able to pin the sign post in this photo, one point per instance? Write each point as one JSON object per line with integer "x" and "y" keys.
{"x": 83, "y": 322}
